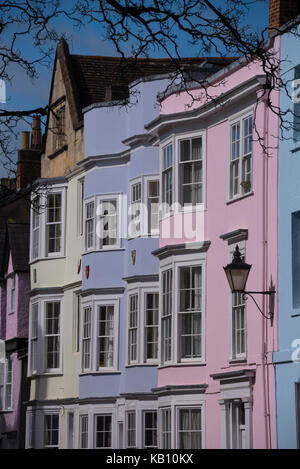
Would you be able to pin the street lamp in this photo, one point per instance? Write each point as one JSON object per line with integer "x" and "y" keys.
{"x": 237, "y": 275}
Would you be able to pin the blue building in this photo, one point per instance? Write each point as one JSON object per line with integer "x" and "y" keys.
{"x": 119, "y": 299}
{"x": 287, "y": 359}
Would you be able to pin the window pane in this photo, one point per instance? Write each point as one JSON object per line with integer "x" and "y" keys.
{"x": 103, "y": 431}
{"x": 133, "y": 325}
{"x": 51, "y": 431}
{"x": 151, "y": 326}
{"x": 166, "y": 428}
{"x": 190, "y": 315}
{"x": 52, "y": 334}
{"x": 106, "y": 336}
{"x": 190, "y": 428}
{"x": 150, "y": 429}
{"x": 83, "y": 424}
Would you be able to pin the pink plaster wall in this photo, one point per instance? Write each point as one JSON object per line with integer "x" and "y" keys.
{"x": 258, "y": 214}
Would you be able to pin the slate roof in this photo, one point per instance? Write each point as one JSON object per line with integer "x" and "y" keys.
{"x": 14, "y": 239}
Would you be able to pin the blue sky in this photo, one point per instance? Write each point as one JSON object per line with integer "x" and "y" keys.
{"x": 24, "y": 93}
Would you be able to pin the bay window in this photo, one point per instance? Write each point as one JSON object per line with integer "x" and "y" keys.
{"x": 241, "y": 131}
{"x": 35, "y": 227}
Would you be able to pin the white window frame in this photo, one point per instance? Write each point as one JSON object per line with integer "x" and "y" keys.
{"x": 103, "y": 414}
{"x": 179, "y": 138}
{"x": 87, "y": 202}
{"x": 46, "y": 413}
{"x": 187, "y": 407}
{"x": 97, "y": 241}
{"x": 35, "y": 215}
{"x": 239, "y": 118}
{"x": 91, "y": 411}
{"x": 161, "y": 421}
{"x": 174, "y": 402}
{"x": 139, "y": 407}
{"x": 174, "y": 140}
{"x": 175, "y": 263}
{"x": 80, "y": 417}
{"x": 133, "y": 411}
{"x": 80, "y": 206}
{"x": 166, "y": 209}
{"x": 4, "y": 365}
{"x": 146, "y": 182}
{"x": 94, "y": 303}
{"x": 233, "y": 355}
{"x": 41, "y": 331}
{"x": 164, "y": 269}
{"x": 143, "y": 219}
{"x": 141, "y": 290}
{"x": 152, "y": 411}
{"x": 42, "y": 236}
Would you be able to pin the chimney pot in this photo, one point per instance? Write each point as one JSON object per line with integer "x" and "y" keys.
{"x": 36, "y": 136}
{"x": 25, "y": 140}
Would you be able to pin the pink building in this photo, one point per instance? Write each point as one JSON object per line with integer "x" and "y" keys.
{"x": 216, "y": 377}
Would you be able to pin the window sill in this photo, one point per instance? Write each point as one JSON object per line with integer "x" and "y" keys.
{"x": 141, "y": 365}
{"x": 175, "y": 365}
{"x": 8, "y": 411}
{"x": 237, "y": 360}
{"x": 102, "y": 250}
{"x": 39, "y": 375}
{"x": 236, "y": 199}
{"x": 50, "y": 258}
{"x": 58, "y": 152}
{"x": 104, "y": 372}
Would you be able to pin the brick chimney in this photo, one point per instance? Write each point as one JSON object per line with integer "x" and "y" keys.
{"x": 36, "y": 136}
{"x": 282, "y": 11}
{"x": 29, "y": 158}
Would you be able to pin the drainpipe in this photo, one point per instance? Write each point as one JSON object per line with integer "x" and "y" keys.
{"x": 265, "y": 370}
